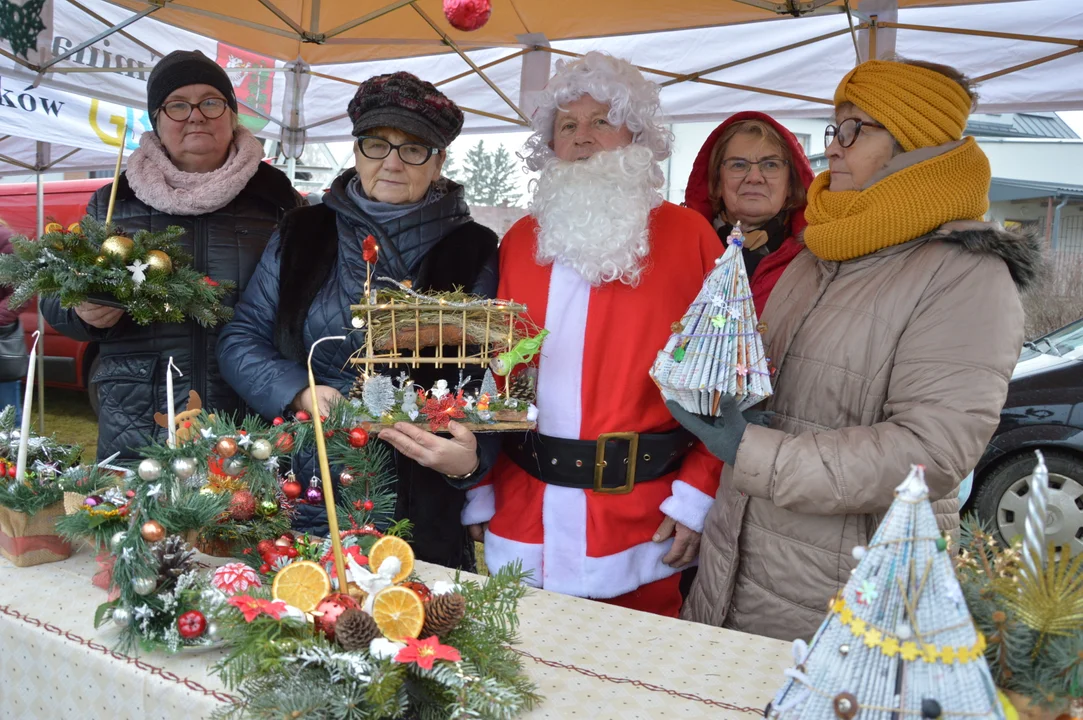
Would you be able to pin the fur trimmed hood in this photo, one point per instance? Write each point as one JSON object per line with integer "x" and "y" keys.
{"x": 1021, "y": 250}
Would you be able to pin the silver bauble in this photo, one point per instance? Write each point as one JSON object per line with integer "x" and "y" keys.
{"x": 185, "y": 468}
{"x": 116, "y": 541}
{"x": 261, "y": 449}
{"x": 150, "y": 470}
{"x": 213, "y": 633}
{"x": 144, "y": 585}
{"x": 233, "y": 466}
{"x": 121, "y": 616}
{"x": 5, "y": 438}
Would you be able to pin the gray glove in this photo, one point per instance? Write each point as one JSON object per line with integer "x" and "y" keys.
{"x": 722, "y": 435}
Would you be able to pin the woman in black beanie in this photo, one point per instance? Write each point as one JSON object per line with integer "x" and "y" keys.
{"x": 202, "y": 171}
{"x": 313, "y": 270}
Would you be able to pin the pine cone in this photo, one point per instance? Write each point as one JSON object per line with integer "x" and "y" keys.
{"x": 174, "y": 557}
{"x": 355, "y": 629}
{"x": 443, "y": 614}
{"x": 524, "y": 386}
{"x": 357, "y": 388}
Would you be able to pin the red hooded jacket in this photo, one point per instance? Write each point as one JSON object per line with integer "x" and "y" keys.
{"x": 696, "y": 197}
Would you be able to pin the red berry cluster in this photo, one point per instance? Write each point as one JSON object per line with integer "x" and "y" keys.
{"x": 273, "y": 550}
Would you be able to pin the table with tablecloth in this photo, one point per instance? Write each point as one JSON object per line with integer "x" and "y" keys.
{"x": 589, "y": 659}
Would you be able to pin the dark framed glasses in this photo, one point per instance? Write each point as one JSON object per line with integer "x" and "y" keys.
{"x": 376, "y": 148}
{"x": 179, "y": 110}
{"x": 847, "y": 131}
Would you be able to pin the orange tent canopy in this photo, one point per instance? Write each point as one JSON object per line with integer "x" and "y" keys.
{"x": 341, "y": 31}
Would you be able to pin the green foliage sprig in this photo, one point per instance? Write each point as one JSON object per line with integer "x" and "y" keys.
{"x": 72, "y": 267}
{"x": 47, "y": 464}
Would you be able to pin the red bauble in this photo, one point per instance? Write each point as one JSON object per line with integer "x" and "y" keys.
{"x": 303, "y": 416}
{"x": 284, "y": 541}
{"x": 265, "y": 568}
{"x": 242, "y": 506}
{"x": 265, "y": 546}
{"x": 11, "y": 470}
{"x": 285, "y": 442}
{"x": 330, "y": 609}
{"x": 359, "y": 437}
{"x": 328, "y": 434}
{"x": 368, "y": 505}
{"x": 277, "y": 421}
{"x": 191, "y": 624}
{"x": 467, "y": 15}
{"x": 421, "y": 589}
{"x": 291, "y": 489}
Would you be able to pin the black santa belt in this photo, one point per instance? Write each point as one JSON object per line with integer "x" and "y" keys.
{"x": 610, "y": 465}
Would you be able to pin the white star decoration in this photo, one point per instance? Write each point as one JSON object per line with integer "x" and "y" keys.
{"x": 207, "y": 433}
{"x": 138, "y": 270}
{"x": 244, "y": 441}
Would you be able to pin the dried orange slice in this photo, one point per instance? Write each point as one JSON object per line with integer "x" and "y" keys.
{"x": 391, "y": 546}
{"x": 301, "y": 584}
{"x": 398, "y": 612}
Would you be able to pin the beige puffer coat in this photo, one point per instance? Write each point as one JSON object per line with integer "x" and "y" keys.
{"x": 896, "y": 358}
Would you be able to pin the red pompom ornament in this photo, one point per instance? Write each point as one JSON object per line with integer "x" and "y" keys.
{"x": 191, "y": 624}
{"x": 277, "y": 421}
{"x": 302, "y": 416}
{"x": 242, "y": 506}
{"x": 330, "y": 609}
{"x": 467, "y": 15}
{"x": 359, "y": 437}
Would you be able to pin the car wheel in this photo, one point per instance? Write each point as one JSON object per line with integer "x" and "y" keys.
{"x": 1002, "y": 499}
{"x": 91, "y": 387}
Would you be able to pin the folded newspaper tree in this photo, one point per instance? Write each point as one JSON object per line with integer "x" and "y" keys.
{"x": 716, "y": 349}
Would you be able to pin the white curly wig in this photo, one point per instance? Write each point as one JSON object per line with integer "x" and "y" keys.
{"x": 633, "y": 102}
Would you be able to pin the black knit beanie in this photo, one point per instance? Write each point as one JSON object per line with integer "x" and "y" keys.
{"x": 405, "y": 102}
{"x": 186, "y": 67}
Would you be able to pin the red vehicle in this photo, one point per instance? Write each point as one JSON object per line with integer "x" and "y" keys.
{"x": 68, "y": 363}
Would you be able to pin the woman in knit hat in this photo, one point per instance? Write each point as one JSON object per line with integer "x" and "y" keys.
{"x": 202, "y": 171}
{"x": 314, "y": 270}
{"x": 894, "y": 334}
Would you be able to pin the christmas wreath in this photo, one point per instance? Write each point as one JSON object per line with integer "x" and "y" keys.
{"x": 148, "y": 274}
{"x": 50, "y": 469}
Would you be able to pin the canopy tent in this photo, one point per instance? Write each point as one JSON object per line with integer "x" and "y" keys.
{"x": 1021, "y": 50}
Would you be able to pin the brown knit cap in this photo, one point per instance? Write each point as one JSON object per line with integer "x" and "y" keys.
{"x": 405, "y": 102}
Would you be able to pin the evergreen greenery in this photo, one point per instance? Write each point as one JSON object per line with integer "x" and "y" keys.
{"x": 49, "y": 467}
{"x": 489, "y": 177}
{"x": 72, "y": 267}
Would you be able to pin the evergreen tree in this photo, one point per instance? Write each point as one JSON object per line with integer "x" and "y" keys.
{"x": 489, "y": 176}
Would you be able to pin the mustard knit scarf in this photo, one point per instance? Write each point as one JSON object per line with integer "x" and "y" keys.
{"x": 903, "y": 206}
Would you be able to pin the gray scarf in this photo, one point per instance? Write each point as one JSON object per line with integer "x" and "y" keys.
{"x": 382, "y": 212}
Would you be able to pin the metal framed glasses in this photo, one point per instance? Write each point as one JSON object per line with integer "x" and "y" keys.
{"x": 179, "y": 110}
{"x": 847, "y": 131}
{"x": 769, "y": 168}
{"x": 376, "y": 148}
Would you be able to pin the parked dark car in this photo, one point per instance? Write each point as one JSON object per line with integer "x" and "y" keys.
{"x": 1044, "y": 411}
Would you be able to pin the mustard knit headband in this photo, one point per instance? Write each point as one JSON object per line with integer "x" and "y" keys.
{"x": 920, "y": 107}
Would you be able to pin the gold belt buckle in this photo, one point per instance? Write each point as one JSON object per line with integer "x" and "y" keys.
{"x": 600, "y": 464}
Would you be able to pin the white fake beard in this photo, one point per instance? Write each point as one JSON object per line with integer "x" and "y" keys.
{"x": 592, "y": 214}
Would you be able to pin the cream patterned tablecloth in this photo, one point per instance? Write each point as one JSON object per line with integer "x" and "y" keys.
{"x": 589, "y": 660}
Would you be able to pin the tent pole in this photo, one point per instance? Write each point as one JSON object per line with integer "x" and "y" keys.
{"x": 42, "y": 160}
{"x": 872, "y": 38}
{"x": 1029, "y": 64}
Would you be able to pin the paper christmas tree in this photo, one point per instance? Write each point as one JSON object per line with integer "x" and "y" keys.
{"x": 898, "y": 641}
{"x": 716, "y": 348}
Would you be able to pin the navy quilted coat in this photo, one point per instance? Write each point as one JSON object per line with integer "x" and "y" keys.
{"x": 226, "y": 245}
{"x": 268, "y": 381}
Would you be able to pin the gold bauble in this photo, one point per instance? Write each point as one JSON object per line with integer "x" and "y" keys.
{"x": 101, "y": 260}
{"x": 118, "y": 246}
{"x": 54, "y": 227}
{"x": 159, "y": 261}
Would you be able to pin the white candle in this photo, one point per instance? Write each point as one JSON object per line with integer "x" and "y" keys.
{"x": 28, "y": 401}
{"x": 170, "y": 412}
{"x": 1034, "y": 540}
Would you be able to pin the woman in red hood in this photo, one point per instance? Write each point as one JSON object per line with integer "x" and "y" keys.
{"x": 754, "y": 171}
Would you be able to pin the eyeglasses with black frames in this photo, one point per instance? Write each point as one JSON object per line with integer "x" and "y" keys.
{"x": 376, "y": 148}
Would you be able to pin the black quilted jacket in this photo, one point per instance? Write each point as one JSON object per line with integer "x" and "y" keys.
{"x": 226, "y": 245}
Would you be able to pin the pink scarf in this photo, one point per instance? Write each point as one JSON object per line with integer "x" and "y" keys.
{"x": 160, "y": 184}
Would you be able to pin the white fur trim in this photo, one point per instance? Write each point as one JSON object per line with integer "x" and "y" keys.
{"x": 500, "y": 551}
{"x": 564, "y": 517}
{"x": 687, "y": 505}
{"x": 602, "y": 577}
{"x": 560, "y": 370}
{"x": 480, "y": 505}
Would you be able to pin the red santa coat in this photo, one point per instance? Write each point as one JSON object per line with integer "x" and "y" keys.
{"x": 593, "y": 378}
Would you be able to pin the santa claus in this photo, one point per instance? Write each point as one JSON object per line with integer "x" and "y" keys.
{"x": 607, "y": 499}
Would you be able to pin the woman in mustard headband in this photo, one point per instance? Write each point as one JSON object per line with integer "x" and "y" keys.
{"x": 894, "y": 333}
